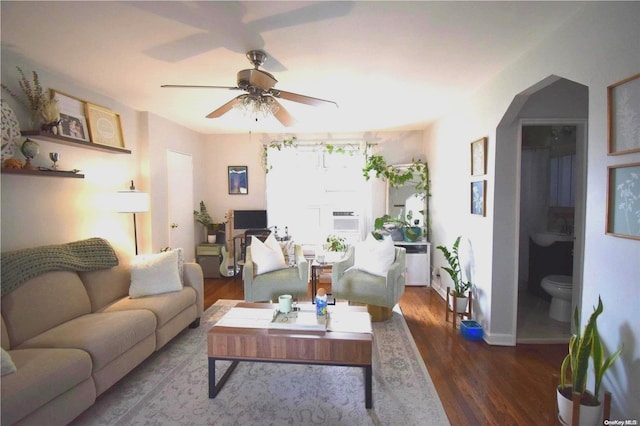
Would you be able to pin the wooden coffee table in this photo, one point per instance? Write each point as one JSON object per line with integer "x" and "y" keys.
{"x": 289, "y": 346}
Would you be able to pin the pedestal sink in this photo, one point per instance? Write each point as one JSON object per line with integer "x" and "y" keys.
{"x": 545, "y": 239}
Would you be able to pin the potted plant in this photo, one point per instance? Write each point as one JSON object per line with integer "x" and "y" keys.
{"x": 335, "y": 243}
{"x": 411, "y": 231}
{"x": 388, "y": 225}
{"x": 41, "y": 103}
{"x": 460, "y": 287}
{"x": 581, "y": 348}
{"x": 203, "y": 218}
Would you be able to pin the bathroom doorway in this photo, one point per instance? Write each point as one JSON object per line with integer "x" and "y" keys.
{"x": 549, "y": 177}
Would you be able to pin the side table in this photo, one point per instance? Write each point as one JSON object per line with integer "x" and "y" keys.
{"x": 208, "y": 256}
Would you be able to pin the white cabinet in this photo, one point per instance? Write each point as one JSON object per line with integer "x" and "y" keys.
{"x": 418, "y": 262}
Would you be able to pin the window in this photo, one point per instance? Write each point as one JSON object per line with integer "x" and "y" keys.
{"x": 307, "y": 185}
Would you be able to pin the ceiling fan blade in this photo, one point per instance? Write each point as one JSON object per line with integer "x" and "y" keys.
{"x": 223, "y": 109}
{"x": 283, "y": 115}
{"x": 190, "y": 86}
{"x": 300, "y": 98}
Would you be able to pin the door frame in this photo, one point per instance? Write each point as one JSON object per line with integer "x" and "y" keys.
{"x": 579, "y": 207}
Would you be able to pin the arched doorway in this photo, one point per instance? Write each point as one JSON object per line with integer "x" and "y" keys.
{"x": 553, "y": 100}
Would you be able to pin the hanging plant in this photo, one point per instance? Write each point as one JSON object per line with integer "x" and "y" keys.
{"x": 276, "y": 145}
{"x": 417, "y": 170}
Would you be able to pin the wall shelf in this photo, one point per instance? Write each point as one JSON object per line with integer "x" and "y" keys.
{"x": 38, "y": 172}
{"x": 49, "y": 137}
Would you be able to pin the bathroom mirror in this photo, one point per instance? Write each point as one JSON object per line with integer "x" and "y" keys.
{"x": 407, "y": 200}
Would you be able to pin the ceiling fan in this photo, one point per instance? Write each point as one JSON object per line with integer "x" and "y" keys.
{"x": 260, "y": 94}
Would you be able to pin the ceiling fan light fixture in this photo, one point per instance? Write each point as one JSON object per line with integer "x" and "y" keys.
{"x": 256, "y": 106}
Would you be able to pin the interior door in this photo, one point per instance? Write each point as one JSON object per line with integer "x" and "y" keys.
{"x": 180, "y": 202}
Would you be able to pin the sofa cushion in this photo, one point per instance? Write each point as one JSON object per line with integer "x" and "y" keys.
{"x": 107, "y": 285}
{"x": 153, "y": 274}
{"x": 165, "y": 306}
{"x": 42, "y": 303}
{"x": 266, "y": 256}
{"x": 8, "y": 366}
{"x": 41, "y": 376}
{"x": 105, "y": 336}
{"x": 374, "y": 256}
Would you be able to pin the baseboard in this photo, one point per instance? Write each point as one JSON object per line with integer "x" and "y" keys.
{"x": 499, "y": 339}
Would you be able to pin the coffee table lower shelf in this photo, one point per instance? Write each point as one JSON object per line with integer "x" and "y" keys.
{"x": 215, "y": 388}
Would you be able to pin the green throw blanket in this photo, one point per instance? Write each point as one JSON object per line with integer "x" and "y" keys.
{"x": 19, "y": 266}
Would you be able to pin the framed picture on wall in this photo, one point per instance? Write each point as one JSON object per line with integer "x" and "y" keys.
{"x": 479, "y": 157}
{"x": 104, "y": 126}
{"x": 623, "y": 112}
{"x": 238, "y": 180}
{"x": 478, "y": 197}
{"x": 623, "y": 201}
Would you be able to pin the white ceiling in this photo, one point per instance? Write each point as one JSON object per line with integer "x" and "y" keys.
{"x": 389, "y": 65}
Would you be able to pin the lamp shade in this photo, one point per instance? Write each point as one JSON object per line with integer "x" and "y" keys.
{"x": 132, "y": 202}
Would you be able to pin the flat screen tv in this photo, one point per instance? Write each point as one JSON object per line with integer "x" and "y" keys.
{"x": 249, "y": 219}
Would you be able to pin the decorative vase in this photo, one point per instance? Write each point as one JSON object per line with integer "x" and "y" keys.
{"x": 29, "y": 149}
{"x": 211, "y": 239}
{"x": 50, "y": 127}
{"x": 589, "y": 415}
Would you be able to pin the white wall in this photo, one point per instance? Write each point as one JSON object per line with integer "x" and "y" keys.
{"x": 160, "y": 136}
{"x": 596, "y": 48}
{"x": 40, "y": 210}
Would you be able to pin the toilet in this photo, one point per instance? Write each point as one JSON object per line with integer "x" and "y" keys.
{"x": 560, "y": 289}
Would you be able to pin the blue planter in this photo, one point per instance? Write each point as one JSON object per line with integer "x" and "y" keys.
{"x": 411, "y": 233}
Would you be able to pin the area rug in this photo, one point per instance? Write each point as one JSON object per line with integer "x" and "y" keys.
{"x": 171, "y": 387}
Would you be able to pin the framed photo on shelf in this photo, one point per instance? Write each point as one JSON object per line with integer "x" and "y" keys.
{"x": 238, "y": 180}
{"x": 478, "y": 197}
{"x": 479, "y": 157}
{"x": 104, "y": 126}
{"x": 623, "y": 201}
{"x": 74, "y": 126}
{"x": 623, "y": 110}
{"x": 73, "y": 122}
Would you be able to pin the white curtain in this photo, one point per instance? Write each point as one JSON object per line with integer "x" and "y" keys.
{"x": 534, "y": 200}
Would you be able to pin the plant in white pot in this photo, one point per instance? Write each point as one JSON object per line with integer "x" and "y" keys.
{"x": 581, "y": 349}
{"x": 460, "y": 287}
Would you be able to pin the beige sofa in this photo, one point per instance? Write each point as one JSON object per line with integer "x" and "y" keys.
{"x": 72, "y": 335}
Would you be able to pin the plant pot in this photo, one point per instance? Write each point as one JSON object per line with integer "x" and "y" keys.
{"x": 211, "y": 239}
{"x": 589, "y": 415}
{"x": 461, "y": 303}
{"x": 411, "y": 233}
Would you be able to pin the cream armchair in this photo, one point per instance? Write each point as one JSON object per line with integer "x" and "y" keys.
{"x": 379, "y": 293}
{"x": 270, "y": 285}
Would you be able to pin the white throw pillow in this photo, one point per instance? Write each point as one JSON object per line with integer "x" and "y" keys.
{"x": 8, "y": 366}
{"x": 267, "y": 256}
{"x": 374, "y": 256}
{"x": 154, "y": 274}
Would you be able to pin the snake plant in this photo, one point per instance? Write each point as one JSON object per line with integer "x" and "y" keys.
{"x": 581, "y": 348}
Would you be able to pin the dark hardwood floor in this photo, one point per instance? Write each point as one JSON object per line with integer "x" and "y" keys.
{"x": 478, "y": 384}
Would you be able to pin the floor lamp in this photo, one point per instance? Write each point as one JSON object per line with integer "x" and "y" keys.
{"x": 132, "y": 201}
